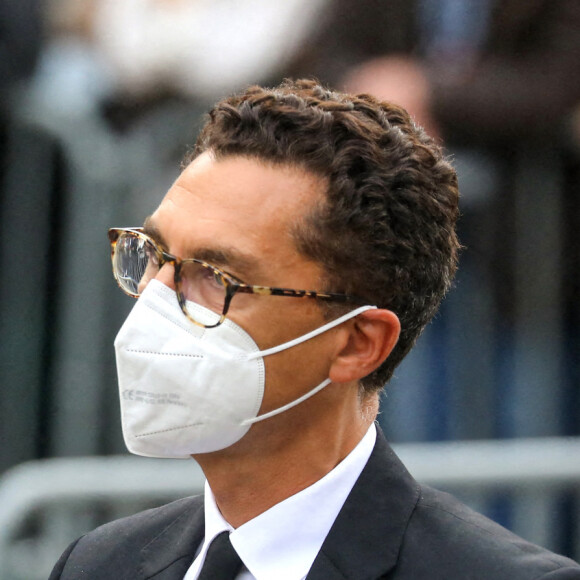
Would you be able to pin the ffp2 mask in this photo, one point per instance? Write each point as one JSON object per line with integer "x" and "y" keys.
{"x": 186, "y": 389}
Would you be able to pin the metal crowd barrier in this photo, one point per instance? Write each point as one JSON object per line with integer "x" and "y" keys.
{"x": 46, "y": 504}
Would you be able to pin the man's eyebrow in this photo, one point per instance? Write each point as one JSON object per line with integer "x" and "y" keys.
{"x": 241, "y": 265}
{"x": 231, "y": 259}
{"x": 153, "y": 232}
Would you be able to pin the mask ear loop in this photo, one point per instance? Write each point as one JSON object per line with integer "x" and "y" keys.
{"x": 308, "y": 336}
{"x": 290, "y": 344}
{"x": 279, "y": 410}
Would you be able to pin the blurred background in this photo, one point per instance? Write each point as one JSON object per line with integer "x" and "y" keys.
{"x": 99, "y": 102}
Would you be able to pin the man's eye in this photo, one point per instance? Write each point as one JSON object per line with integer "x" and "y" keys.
{"x": 204, "y": 277}
{"x": 215, "y": 278}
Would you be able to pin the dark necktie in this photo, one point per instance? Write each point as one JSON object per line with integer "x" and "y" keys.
{"x": 221, "y": 561}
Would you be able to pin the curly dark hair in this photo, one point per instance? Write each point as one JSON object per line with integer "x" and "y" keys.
{"x": 386, "y": 231}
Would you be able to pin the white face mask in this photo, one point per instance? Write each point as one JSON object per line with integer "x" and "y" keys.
{"x": 186, "y": 389}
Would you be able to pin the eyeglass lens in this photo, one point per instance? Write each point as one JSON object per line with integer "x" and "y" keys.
{"x": 135, "y": 264}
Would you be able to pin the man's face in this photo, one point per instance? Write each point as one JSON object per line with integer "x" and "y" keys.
{"x": 238, "y": 214}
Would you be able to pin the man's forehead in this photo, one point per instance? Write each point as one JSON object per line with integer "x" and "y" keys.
{"x": 312, "y": 183}
{"x": 236, "y": 212}
{"x": 254, "y": 192}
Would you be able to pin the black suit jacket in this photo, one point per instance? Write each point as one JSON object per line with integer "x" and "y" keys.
{"x": 390, "y": 527}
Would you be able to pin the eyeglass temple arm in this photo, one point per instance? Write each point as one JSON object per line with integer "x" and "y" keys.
{"x": 273, "y": 291}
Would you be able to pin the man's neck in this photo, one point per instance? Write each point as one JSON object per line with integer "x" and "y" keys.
{"x": 282, "y": 456}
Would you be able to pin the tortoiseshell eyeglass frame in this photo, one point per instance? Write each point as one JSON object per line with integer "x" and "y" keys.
{"x": 231, "y": 284}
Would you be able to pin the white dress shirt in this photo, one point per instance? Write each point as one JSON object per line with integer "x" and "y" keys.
{"x": 284, "y": 541}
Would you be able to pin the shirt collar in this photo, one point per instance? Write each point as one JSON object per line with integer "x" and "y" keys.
{"x": 284, "y": 541}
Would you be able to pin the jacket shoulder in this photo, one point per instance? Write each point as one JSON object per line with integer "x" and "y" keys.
{"x": 118, "y": 545}
{"x": 446, "y": 539}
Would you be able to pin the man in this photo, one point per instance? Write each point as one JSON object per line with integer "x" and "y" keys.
{"x": 286, "y": 273}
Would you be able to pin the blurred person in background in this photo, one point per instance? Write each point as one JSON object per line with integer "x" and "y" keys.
{"x": 470, "y": 71}
{"x": 133, "y": 54}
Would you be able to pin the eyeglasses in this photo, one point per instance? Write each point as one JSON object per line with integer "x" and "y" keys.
{"x": 137, "y": 259}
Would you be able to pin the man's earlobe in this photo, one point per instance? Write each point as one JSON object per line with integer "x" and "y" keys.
{"x": 372, "y": 337}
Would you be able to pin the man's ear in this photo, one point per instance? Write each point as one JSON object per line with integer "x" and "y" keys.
{"x": 372, "y": 336}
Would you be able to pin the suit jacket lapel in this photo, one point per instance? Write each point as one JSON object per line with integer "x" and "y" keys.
{"x": 363, "y": 542}
{"x": 365, "y": 538}
{"x": 169, "y": 555}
